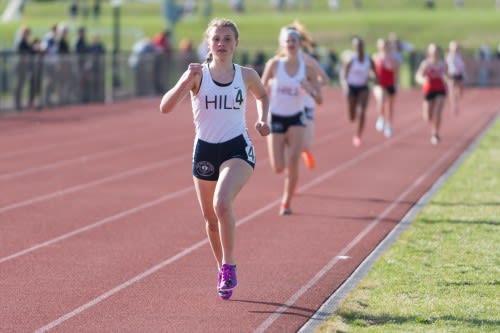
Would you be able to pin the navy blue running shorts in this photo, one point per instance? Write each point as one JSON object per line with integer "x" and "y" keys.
{"x": 280, "y": 124}
{"x": 208, "y": 157}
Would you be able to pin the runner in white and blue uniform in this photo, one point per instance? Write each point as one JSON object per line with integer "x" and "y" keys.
{"x": 307, "y": 54}
{"x": 223, "y": 157}
{"x": 219, "y": 118}
{"x": 290, "y": 80}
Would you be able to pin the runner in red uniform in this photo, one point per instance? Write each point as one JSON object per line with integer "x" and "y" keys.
{"x": 432, "y": 74}
{"x": 387, "y": 69}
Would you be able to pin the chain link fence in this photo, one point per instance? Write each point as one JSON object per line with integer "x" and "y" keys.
{"x": 35, "y": 82}
{"x": 40, "y": 81}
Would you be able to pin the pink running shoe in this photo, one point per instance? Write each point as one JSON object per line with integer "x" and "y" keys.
{"x": 223, "y": 294}
{"x": 228, "y": 277}
{"x": 356, "y": 141}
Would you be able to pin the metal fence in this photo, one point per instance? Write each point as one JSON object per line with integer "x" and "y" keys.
{"x": 41, "y": 81}
{"x": 38, "y": 81}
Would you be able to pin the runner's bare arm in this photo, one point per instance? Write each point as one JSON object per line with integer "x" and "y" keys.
{"x": 189, "y": 81}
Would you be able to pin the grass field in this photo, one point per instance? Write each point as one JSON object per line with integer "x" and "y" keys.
{"x": 443, "y": 274}
{"x": 473, "y": 25}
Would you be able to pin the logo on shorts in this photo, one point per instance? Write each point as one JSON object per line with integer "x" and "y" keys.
{"x": 204, "y": 168}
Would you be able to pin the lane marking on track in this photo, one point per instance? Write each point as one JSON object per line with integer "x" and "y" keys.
{"x": 40, "y": 149}
{"x": 73, "y": 189}
{"x": 323, "y": 271}
{"x": 199, "y": 244}
{"x": 121, "y": 215}
{"x": 80, "y": 159}
{"x": 106, "y": 220}
{"x": 80, "y": 187}
{"x": 108, "y": 179}
{"x": 99, "y": 223}
{"x": 114, "y": 136}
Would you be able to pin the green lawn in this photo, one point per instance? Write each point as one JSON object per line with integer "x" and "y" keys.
{"x": 443, "y": 273}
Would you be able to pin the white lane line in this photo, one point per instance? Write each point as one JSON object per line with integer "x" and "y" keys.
{"x": 107, "y": 179}
{"x": 40, "y": 149}
{"x": 80, "y": 159}
{"x": 145, "y": 274}
{"x": 83, "y": 186}
{"x": 119, "y": 215}
{"x": 295, "y": 297}
{"x": 99, "y": 223}
{"x": 197, "y": 245}
{"x": 110, "y": 219}
{"x": 67, "y": 142}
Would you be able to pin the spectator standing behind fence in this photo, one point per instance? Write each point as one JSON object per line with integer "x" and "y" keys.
{"x": 81, "y": 50}
{"x": 95, "y": 64}
{"x": 51, "y": 65}
{"x": 36, "y": 73}
{"x": 186, "y": 54}
{"x": 24, "y": 66}
{"x": 162, "y": 60}
{"x": 141, "y": 62}
{"x": 64, "y": 69}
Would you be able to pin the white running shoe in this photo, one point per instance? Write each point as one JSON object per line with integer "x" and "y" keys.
{"x": 388, "y": 131}
{"x": 435, "y": 139}
{"x": 379, "y": 125}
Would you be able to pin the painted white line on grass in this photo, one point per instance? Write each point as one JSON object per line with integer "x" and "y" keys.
{"x": 83, "y": 186}
{"x": 294, "y": 298}
{"x": 331, "y": 304}
{"x": 197, "y": 245}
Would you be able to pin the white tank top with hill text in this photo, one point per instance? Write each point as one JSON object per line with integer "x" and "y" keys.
{"x": 287, "y": 95}
{"x": 219, "y": 110}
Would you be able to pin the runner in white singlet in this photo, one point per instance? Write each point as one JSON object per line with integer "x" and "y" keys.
{"x": 307, "y": 52}
{"x": 290, "y": 80}
{"x": 355, "y": 77}
{"x": 223, "y": 157}
{"x": 456, "y": 74}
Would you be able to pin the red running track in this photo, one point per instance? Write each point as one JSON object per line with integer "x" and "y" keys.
{"x": 100, "y": 230}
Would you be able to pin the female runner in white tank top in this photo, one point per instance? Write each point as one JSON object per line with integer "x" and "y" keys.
{"x": 323, "y": 79}
{"x": 223, "y": 158}
{"x": 355, "y": 78}
{"x": 290, "y": 80}
{"x": 456, "y": 74}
